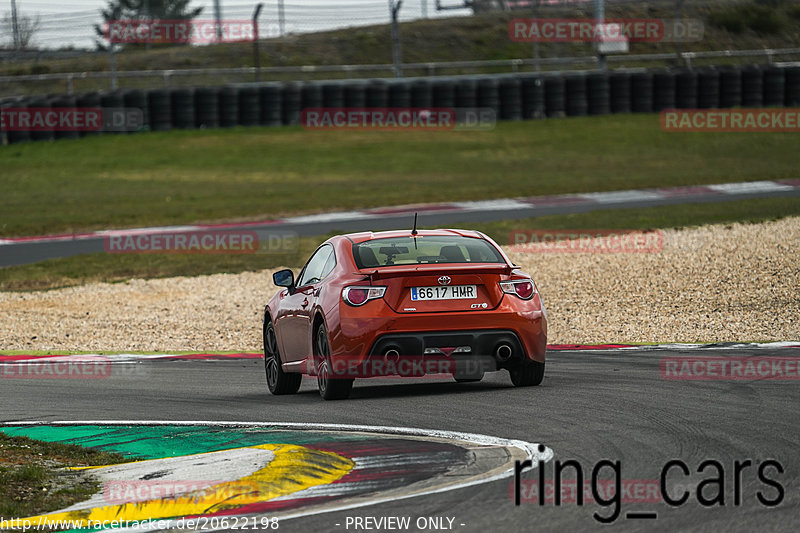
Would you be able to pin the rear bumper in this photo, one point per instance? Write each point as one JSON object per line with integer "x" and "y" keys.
{"x": 525, "y": 331}
{"x": 488, "y": 349}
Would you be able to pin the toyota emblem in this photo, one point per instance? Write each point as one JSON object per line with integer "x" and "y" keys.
{"x": 444, "y": 280}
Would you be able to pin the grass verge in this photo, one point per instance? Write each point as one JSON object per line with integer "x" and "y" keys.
{"x": 261, "y": 173}
{"x": 118, "y": 267}
{"x": 34, "y": 478}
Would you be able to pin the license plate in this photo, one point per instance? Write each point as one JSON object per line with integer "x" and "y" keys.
{"x": 445, "y": 292}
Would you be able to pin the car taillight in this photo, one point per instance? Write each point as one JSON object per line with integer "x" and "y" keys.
{"x": 361, "y": 295}
{"x": 522, "y": 288}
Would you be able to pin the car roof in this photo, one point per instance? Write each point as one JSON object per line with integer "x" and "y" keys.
{"x": 371, "y": 235}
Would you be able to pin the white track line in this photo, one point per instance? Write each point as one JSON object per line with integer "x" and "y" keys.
{"x": 750, "y": 186}
{"x": 612, "y": 197}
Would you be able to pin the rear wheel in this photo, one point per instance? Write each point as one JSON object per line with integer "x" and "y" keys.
{"x": 278, "y": 381}
{"x": 527, "y": 374}
{"x": 330, "y": 386}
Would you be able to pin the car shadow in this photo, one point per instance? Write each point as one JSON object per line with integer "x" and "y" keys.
{"x": 421, "y": 389}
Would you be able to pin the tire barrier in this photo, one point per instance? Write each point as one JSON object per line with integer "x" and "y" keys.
{"x": 642, "y": 92}
{"x": 444, "y": 93}
{"x": 61, "y": 102}
{"x": 730, "y": 87}
{"x": 575, "y": 96}
{"x": 513, "y": 97}
{"x": 598, "y": 94}
{"x": 620, "y": 92}
{"x": 206, "y": 107}
{"x": 88, "y": 100}
{"x": 708, "y": 88}
{"x": 510, "y": 92}
{"x": 16, "y": 137}
{"x": 752, "y": 86}
{"x": 488, "y": 94}
{"x": 792, "y": 95}
{"x": 686, "y": 89}
{"x": 4, "y": 103}
{"x": 774, "y": 86}
{"x": 399, "y": 94}
{"x": 158, "y": 103}
{"x": 291, "y": 103}
{"x": 555, "y": 106}
{"x": 137, "y": 99}
{"x": 249, "y": 109}
{"x": 533, "y": 104}
{"x": 355, "y": 95}
{"x": 467, "y": 92}
{"x": 332, "y": 95}
{"x": 664, "y": 83}
{"x": 270, "y": 100}
{"x": 310, "y": 95}
{"x": 41, "y": 135}
{"x": 112, "y": 99}
{"x": 228, "y": 99}
{"x": 421, "y": 93}
{"x": 377, "y": 94}
{"x": 183, "y": 108}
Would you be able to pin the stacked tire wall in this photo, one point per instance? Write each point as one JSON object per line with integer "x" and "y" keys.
{"x": 522, "y": 96}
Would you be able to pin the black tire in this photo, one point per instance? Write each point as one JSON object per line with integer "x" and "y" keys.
{"x": 330, "y": 388}
{"x": 528, "y": 374}
{"x": 278, "y": 381}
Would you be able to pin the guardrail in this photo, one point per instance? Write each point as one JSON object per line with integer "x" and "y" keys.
{"x": 430, "y": 68}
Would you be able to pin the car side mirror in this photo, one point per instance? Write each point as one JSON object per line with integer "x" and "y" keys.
{"x": 284, "y": 278}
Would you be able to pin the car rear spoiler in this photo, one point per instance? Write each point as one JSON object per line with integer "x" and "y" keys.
{"x": 438, "y": 268}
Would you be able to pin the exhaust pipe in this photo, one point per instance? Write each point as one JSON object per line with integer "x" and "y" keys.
{"x": 503, "y": 352}
{"x": 391, "y": 355}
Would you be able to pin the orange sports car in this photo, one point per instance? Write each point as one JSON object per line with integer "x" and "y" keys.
{"x": 409, "y": 303}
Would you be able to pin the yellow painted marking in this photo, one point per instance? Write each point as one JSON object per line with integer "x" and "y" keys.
{"x": 294, "y": 468}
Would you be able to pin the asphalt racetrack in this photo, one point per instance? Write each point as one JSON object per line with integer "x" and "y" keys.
{"x": 594, "y": 405}
{"x": 25, "y": 250}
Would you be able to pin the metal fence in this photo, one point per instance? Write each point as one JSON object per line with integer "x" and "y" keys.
{"x": 176, "y": 77}
{"x": 58, "y": 30}
{"x": 36, "y": 70}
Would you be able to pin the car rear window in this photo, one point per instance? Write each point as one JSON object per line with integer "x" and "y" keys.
{"x": 424, "y": 250}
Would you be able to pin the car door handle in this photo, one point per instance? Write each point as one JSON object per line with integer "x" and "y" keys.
{"x": 305, "y": 302}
